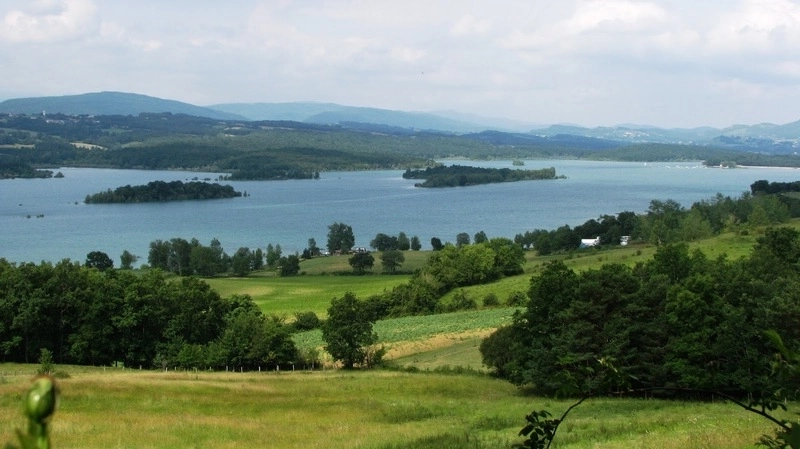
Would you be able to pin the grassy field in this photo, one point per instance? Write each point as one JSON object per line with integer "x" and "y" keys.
{"x": 381, "y": 409}
{"x": 313, "y": 291}
{"x": 316, "y": 286}
{"x": 335, "y": 409}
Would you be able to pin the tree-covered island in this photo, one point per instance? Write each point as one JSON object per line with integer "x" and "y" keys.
{"x": 11, "y": 167}
{"x": 164, "y": 191}
{"x": 459, "y": 175}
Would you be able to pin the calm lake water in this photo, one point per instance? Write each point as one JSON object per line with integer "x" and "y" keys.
{"x": 46, "y": 219}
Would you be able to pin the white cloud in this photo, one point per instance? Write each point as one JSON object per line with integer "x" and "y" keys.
{"x": 760, "y": 26}
{"x": 49, "y": 21}
{"x": 468, "y": 25}
{"x": 617, "y": 15}
{"x": 584, "y": 61}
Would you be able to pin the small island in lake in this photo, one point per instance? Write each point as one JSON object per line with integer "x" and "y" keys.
{"x": 11, "y": 168}
{"x": 459, "y": 175}
{"x": 164, "y": 191}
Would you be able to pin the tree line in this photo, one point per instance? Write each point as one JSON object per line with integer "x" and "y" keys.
{"x": 667, "y": 221}
{"x": 91, "y": 317}
{"x": 679, "y": 320}
{"x": 156, "y": 191}
{"x": 190, "y": 257}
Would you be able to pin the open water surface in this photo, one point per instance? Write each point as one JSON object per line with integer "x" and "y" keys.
{"x": 46, "y": 219}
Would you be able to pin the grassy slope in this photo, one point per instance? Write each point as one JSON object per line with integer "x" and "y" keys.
{"x": 425, "y": 341}
{"x": 376, "y": 409}
{"x": 316, "y": 286}
{"x": 334, "y": 409}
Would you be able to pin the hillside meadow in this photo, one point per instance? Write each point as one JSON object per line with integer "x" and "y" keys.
{"x": 116, "y": 408}
{"x": 438, "y": 395}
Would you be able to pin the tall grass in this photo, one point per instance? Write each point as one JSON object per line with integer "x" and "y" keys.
{"x": 334, "y": 409}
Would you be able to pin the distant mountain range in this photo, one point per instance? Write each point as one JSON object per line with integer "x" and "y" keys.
{"x": 108, "y": 103}
{"x": 761, "y": 137}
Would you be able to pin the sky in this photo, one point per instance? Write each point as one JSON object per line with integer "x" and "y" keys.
{"x": 668, "y": 63}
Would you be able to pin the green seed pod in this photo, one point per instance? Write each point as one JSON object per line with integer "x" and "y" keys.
{"x": 40, "y": 403}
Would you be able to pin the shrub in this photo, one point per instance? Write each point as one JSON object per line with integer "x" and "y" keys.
{"x": 491, "y": 300}
{"x": 461, "y": 301}
{"x": 306, "y": 321}
{"x": 46, "y": 365}
{"x": 516, "y": 298}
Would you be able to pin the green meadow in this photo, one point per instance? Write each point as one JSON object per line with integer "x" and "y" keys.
{"x": 335, "y": 409}
{"x": 438, "y": 395}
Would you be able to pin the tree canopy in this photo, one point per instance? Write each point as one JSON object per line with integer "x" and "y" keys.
{"x": 679, "y": 320}
{"x": 348, "y": 330}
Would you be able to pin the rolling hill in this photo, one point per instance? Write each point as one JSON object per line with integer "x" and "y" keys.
{"x": 108, "y": 103}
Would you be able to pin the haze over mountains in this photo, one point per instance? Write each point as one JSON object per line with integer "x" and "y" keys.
{"x": 775, "y": 138}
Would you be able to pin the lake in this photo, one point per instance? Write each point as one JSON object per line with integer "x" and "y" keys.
{"x": 46, "y": 219}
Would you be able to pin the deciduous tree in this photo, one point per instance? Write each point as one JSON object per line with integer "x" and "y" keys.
{"x": 348, "y": 330}
{"x": 99, "y": 260}
{"x": 392, "y": 260}
{"x": 361, "y": 262}
{"x": 340, "y": 238}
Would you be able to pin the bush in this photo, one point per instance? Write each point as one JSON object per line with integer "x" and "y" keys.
{"x": 46, "y": 365}
{"x": 306, "y": 321}
{"x": 461, "y": 301}
{"x": 516, "y": 298}
{"x": 491, "y": 300}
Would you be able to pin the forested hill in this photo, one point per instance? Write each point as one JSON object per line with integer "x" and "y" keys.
{"x": 108, "y": 103}
{"x": 287, "y": 150}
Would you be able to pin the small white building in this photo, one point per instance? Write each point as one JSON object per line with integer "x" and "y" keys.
{"x": 586, "y": 243}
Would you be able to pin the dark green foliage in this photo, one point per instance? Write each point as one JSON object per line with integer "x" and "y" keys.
{"x": 242, "y": 262}
{"x": 340, "y": 238}
{"x": 250, "y": 340}
{"x": 540, "y": 430}
{"x": 491, "y": 300}
{"x": 85, "y": 316}
{"x": 403, "y": 243}
{"x": 127, "y": 259}
{"x": 765, "y": 187}
{"x": 415, "y": 244}
{"x": 392, "y": 260}
{"x": 384, "y": 242}
{"x": 516, "y": 298}
{"x": 679, "y": 320}
{"x": 361, "y": 262}
{"x": 12, "y": 167}
{"x": 273, "y": 255}
{"x": 436, "y": 244}
{"x": 99, "y": 260}
{"x": 348, "y": 330}
{"x": 461, "y": 301}
{"x": 305, "y": 321}
{"x": 289, "y": 265}
{"x": 459, "y": 175}
{"x": 313, "y": 250}
{"x": 164, "y": 191}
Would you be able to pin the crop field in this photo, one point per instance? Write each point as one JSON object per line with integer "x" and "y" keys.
{"x": 411, "y": 335}
{"x": 336, "y": 409}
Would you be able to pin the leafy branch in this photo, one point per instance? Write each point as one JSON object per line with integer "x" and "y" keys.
{"x": 586, "y": 381}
